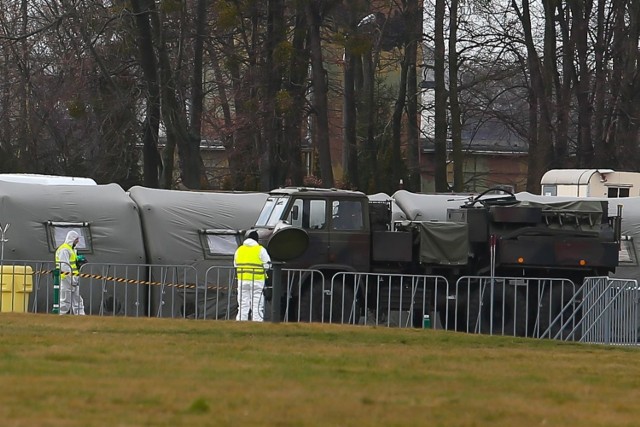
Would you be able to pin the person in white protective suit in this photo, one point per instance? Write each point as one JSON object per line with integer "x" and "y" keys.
{"x": 66, "y": 261}
{"x": 252, "y": 262}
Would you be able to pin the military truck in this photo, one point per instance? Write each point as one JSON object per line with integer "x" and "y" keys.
{"x": 487, "y": 235}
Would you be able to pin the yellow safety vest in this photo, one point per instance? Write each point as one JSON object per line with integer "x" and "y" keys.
{"x": 72, "y": 260}
{"x": 248, "y": 263}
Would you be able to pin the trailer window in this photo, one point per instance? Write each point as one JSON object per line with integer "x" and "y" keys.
{"x": 615, "y": 192}
{"x": 549, "y": 190}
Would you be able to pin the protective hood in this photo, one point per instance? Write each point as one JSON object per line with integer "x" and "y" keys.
{"x": 71, "y": 237}
{"x": 250, "y": 242}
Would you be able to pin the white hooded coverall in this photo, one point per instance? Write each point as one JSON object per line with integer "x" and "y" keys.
{"x": 70, "y": 298}
{"x": 250, "y": 288}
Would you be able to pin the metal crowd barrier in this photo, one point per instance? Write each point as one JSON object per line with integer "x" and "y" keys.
{"x": 602, "y": 310}
{"x": 609, "y": 309}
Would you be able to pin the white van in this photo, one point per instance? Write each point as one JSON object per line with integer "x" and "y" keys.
{"x": 30, "y": 178}
{"x": 590, "y": 183}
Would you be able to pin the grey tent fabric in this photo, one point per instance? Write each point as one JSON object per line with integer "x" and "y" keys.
{"x": 111, "y": 217}
{"x": 172, "y": 222}
{"x": 427, "y": 207}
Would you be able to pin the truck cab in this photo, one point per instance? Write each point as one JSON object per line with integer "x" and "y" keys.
{"x": 336, "y": 222}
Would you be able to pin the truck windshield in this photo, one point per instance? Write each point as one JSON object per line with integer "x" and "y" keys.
{"x": 272, "y": 211}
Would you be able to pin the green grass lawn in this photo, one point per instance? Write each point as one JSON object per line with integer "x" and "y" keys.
{"x": 94, "y": 371}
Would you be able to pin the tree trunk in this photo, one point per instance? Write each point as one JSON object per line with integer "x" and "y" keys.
{"x": 191, "y": 164}
{"x": 541, "y": 140}
{"x": 296, "y": 88}
{"x": 580, "y": 13}
{"x": 349, "y": 146}
{"x": 320, "y": 89}
{"x": 456, "y": 125}
{"x": 563, "y": 90}
{"x": 440, "y": 142}
{"x": 274, "y": 167}
{"x": 152, "y": 163}
{"x": 626, "y": 64}
{"x": 369, "y": 114}
{"x": 414, "y": 24}
{"x": 197, "y": 95}
{"x": 603, "y": 150}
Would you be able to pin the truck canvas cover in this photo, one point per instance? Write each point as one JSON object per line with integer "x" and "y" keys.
{"x": 629, "y": 267}
{"x": 581, "y": 214}
{"x": 444, "y": 243}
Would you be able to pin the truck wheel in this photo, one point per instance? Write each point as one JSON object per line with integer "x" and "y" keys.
{"x": 557, "y": 311}
{"x": 322, "y": 304}
{"x": 506, "y": 316}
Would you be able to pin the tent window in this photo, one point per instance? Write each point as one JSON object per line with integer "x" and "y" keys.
{"x": 57, "y": 232}
{"x": 217, "y": 244}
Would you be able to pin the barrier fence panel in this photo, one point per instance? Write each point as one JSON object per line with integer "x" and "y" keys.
{"x": 173, "y": 291}
{"x": 602, "y": 310}
{"x": 118, "y": 289}
{"x": 514, "y": 306}
{"x": 367, "y": 298}
{"x": 610, "y": 311}
{"x": 219, "y": 297}
{"x": 398, "y": 300}
{"x": 299, "y": 289}
{"x": 115, "y": 289}
{"x": 307, "y": 296}
{"x": 137, "y": 289}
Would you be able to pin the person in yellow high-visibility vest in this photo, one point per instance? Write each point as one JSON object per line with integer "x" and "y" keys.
{"x": 252, "y": 262}
{"x": 66, "y": 261}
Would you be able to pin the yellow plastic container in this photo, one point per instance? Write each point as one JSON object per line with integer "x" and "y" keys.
{"x": 17, "y": 284}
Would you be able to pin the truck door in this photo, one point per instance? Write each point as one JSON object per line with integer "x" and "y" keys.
{"x": 311, "y": 215}
{"x": 349, "y": 239}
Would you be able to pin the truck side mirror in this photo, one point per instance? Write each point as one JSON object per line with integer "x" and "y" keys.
{"x": 295, "y": 212}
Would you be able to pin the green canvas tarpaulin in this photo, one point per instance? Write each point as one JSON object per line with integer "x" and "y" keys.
{"x": 444, "y": 243}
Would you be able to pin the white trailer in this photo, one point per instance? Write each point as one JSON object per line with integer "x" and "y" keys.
{"x": 590, "y": 183}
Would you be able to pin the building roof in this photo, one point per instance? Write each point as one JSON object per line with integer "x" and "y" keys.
{"x": 488, "y": 137}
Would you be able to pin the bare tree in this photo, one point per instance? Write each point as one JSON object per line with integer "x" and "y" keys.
{"x": 152, "y": 162}
{"x": 315, "y": 14}
{"x": 454, "y": 104}
{"x": 413, "y": 12}
{"x": 440, "y": 141}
